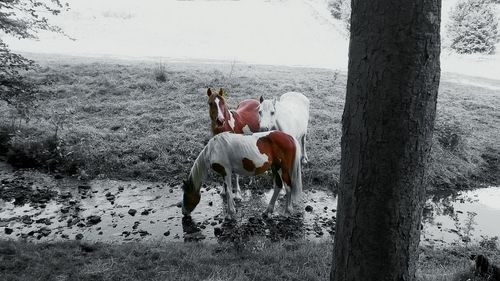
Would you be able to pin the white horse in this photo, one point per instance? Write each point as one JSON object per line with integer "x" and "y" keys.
{"x": 290, "y": 114}
{"x": 248, "y": 155}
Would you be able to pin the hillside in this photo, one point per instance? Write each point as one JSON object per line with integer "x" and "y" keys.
{"x": 275, "y": 32}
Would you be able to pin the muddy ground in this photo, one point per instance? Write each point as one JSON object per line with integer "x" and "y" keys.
{"x": 37, "y": 206}
{"x": 41, "y": 207}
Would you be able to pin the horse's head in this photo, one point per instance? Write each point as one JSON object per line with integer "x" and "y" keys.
{"x": 267, "y": 117}
{"x": 217, "y": 107}
{"x": 190, "y": 198}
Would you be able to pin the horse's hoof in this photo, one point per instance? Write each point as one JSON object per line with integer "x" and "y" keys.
{"x": 288, "y": 213}
{"x": 304, "y": 161}
{"x": 230, "y": 218}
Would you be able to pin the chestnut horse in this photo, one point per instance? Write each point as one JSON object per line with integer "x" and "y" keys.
{"x": 250, "y": 155}
{"x": 243, "y": 120}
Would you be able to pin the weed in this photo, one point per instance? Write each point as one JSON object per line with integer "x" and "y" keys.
{"x": 160, "y": 73}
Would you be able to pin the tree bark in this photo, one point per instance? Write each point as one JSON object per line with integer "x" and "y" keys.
{"x": 388, "y": 119}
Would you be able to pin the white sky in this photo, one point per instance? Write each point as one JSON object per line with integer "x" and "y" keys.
{"x": 285, "y": 32}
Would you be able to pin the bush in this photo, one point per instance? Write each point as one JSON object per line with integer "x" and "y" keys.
{"x": 160, "y": 73}
{"x": 473, "y": 27}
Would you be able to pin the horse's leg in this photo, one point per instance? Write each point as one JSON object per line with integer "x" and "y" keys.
{"x": 303, "y": 141}
{"x": 288, "y": 196}
{"x": 237, "y": 197}
{"x": 223, "y": 189}
{"x": 285, "y": 176}
{"x": 277, "y": 183}
{"x": 229, "y": 196}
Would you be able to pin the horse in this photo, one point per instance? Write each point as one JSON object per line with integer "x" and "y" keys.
{"x": 243, "y": 120}
{"x": 249, "y": 155}
{"x": 290, "y": 114}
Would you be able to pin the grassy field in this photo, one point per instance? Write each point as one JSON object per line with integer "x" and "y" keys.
{"x": 255, "y": 260}
{"x": 137, "y": 120}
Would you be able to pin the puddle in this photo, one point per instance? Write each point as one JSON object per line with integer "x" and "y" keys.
{"x": 116, "y": 211}
{"x": 462, "y": 218}
{"x": 46, "y": 209}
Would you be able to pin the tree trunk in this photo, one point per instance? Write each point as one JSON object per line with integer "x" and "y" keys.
{"x": 392, "y": 87}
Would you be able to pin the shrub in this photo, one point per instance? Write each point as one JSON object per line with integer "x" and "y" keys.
{"x": 473, "y": 27}
{"x": 34, "y": 151}
{"x": 451, "y": 136}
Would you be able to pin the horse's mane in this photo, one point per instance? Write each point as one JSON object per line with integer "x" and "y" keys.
{"x": 199, "y": 169}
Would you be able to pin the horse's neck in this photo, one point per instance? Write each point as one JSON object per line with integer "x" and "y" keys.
{"x": 278, "y": 107}
{"x": 280, "y": 111}
{"x": 199, "y": 170}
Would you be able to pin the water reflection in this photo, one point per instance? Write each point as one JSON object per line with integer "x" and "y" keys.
{"x": 118, "y": 211}
{"x": 463, "y": 217}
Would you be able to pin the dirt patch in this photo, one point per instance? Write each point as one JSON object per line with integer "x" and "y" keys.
{"x": 21, "y": 191}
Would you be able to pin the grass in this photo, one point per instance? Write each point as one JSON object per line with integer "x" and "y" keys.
{"x": 141, "y": 120}
{"x": 256, "y": 260}
{"x": 174, "y": 261}
{"x": 453, "y": 263}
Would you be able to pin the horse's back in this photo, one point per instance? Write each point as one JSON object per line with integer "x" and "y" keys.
{"x": 230, "y": 149}
{"x": 297, "y": 104}
{"x": 248, "y": 105}
{"x": 294, "y": 115}
{"x": 248, "y": 111}
{"x": 282, "y": 140}
{"x": 295, "y": 97}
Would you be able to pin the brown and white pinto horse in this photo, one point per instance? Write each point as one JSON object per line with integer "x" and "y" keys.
{"x": 251, "y": 155}
{"x": 243, "y": 120}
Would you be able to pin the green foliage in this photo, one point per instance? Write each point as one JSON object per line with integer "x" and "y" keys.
{"x": 473, "y": 27}
{"x": 341, "y": 10}
{"x": 22, "y": 19}
{"x": 489, "y": 243}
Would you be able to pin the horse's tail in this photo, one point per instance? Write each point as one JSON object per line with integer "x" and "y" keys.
{"x": 296, "y": 173}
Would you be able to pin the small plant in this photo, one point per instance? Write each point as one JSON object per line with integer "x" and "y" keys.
{"x": 465, "y": 231}
{"x": 58, "y": 119}
{"x": 335, "y": 76}
{"x": 160, "y": 73}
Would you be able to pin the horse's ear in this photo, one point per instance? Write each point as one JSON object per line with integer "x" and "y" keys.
{"x": 221, "y": 92}
{"x": 261, "y": 99}
{"x": 209, "y": 92}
